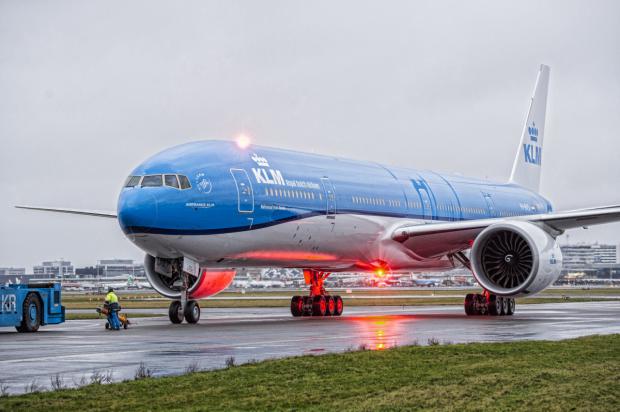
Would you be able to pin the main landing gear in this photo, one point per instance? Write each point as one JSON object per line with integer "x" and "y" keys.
{"x": 488, "y": 304}
{"x": 318, "y": 303}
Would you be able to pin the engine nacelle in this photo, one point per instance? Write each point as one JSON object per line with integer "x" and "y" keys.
{"x": 165, "y": 275}
{"x": 515, "y": 259}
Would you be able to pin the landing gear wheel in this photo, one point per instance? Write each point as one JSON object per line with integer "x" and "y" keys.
{"x": 494, "y": 305}
{"x": 297, "y": 306}
{"x": 470, "y": 310}
{"x": 331, "y": 305}
{"x": 339, "y": 305}
{"x": 192, "y": 312}
{"x": 31, "y": 314}
{"x": 505, "y": 302}
{"x": 307, "y": 305}
{"x": 319, "y": 306}
{"x": 511, "y": 307}
{"x": 175, "y": 312}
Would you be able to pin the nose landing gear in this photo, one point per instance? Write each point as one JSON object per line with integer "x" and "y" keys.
{"x": 191, "y": 312}
{"x": 184, "y": 308}
{"x": 488, "y": 304}
{"x": 318, "y": 302}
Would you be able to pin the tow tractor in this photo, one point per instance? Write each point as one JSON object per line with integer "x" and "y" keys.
{"x": 27, "y": 307}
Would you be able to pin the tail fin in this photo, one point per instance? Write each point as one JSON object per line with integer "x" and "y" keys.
{"x": 526, "y": 168}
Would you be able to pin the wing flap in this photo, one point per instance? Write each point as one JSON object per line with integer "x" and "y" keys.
{"x": 467, "y": 229}
{"x": 580, "y": 218}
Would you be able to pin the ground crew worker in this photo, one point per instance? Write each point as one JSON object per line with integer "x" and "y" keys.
{"x": 113, "y": 306}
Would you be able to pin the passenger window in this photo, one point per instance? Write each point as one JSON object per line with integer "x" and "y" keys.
{"x": 171, "y": 180}
{"x": 184, "y": 181}
{"x": 151, "y": 181}
{"x": 133, "y": 181}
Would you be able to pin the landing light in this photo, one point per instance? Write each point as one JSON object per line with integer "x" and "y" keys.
{"x": 243, "y": 141}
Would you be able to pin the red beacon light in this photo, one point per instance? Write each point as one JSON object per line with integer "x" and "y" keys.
{"x": 243, "y": 141}
{"x": 380, "y": 268}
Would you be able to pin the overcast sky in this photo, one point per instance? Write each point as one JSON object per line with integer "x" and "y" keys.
{"x": 88, "y": 90}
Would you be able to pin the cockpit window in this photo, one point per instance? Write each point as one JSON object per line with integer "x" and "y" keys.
{"x": 184, "y": 182}
{"x": 133, "y": 181}
{"x": 151, "y": 181}
{"x": 171, "y": 180}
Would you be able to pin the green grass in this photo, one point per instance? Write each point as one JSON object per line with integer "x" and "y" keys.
{"x": 580, "y": 374}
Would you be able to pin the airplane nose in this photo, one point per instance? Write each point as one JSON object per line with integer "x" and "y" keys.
{"x": 137, "y": 210}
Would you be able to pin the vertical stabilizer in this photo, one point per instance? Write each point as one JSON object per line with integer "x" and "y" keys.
{"x": 528, "y": 162}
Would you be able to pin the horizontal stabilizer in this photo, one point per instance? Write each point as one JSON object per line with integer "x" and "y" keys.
{"x": 95, "y": 213}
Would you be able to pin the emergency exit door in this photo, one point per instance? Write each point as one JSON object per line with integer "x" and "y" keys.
{"x": 490, "y": 204}
{"x": 330, "y": 196}
{"x": 245, "y": 194}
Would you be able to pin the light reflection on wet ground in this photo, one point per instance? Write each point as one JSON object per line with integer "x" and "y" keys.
{"x": 77, "y": 348}
{"x": 381, "y": 332}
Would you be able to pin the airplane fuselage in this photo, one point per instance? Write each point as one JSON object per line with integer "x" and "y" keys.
{"x": 260, "y": 206}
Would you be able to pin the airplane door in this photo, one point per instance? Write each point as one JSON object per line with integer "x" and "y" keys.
{"x": 245, "y": 194}
{"x": 490, "y": 204}
{"x": 427, "y": 201}
{"x": 427, "y": 209}
{"x": 330, "y": 196}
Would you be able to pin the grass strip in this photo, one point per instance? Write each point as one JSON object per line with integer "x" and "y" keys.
{"x": 579, "y": 374}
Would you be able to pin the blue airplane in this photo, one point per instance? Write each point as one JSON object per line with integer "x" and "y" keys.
{"x": 203, "y": 209}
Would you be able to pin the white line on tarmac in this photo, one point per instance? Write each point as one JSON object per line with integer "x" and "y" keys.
{"x": 263, "y": 343}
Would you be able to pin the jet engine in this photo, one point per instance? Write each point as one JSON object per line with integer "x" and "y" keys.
{"x": 515, "y": 259}
{"x": 166, "y": 277}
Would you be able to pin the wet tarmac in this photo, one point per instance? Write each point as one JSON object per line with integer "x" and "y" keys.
{"x": 76, "y": 349}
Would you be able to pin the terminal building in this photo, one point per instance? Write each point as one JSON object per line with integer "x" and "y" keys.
{"x": 12, "y": 271}
{"x": 108, "y": 268}
{"x": 590, "y": 261}
{"x": 56, "y": 269}
{"x": 12, "y": 275}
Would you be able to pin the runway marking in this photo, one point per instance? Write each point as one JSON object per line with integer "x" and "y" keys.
{"x": 155, "y": 350}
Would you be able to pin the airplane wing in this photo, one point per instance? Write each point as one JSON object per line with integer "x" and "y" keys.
{"x": 95, "y": 213}
{"x": 459, "y": 235}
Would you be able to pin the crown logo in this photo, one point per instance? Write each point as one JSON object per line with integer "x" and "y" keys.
{"x": 259, "y": 160}
{"x": 533, "y": 132}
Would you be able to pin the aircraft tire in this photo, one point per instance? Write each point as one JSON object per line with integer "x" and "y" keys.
{"x": 297, "y": 306}
{"x": 331, "y": 305}
{"x": 505, "y": 302}
{"x": 319, "y": 306}
{"x": 339, "y": 305}
{"x": 307, "y": 305}
{"x": 192, "y": 312}
{"x": 511, "y": 307}
{"x": 470, "y": 310}
{"x": 175, "y": 312}
{"x": 494, "y": 306}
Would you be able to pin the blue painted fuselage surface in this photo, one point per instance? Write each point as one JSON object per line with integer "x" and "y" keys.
{"x": 234, "y": 190}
